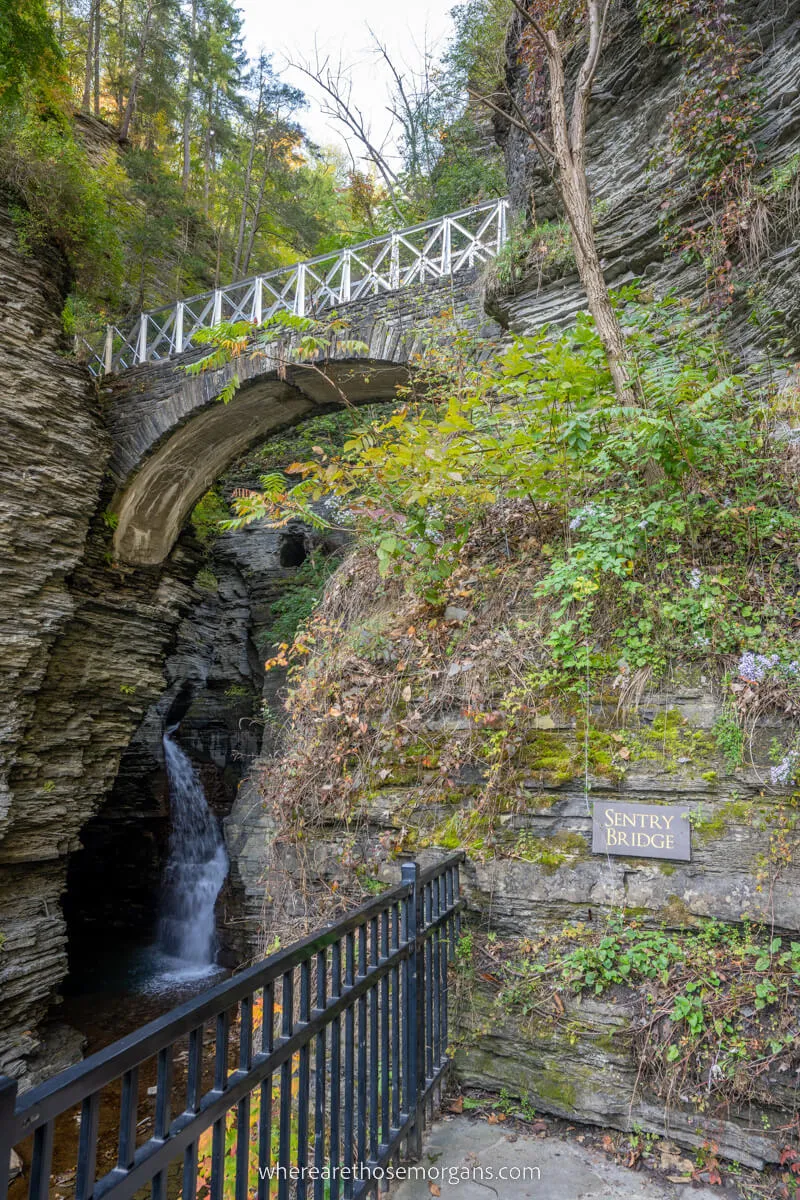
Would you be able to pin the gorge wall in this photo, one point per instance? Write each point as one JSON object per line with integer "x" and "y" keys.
{"x": 632, "y": 172}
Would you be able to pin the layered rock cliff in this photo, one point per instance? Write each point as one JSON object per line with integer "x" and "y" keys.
{"x": 52, "y": 450}
{"x": 632, "y": 172}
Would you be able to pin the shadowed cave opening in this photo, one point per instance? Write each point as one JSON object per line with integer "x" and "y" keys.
{"x": 293, "y": 552}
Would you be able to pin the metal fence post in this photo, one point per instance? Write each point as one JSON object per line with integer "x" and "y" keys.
{"x": 216, "y": 316}
{"x": 179, "y": 327}
{"x": 141, "y": 350}
{"x": 394, "y": 264}
{"x": 447, "y": 261}
{"x": 258, "y": 292}
{"x": 300, "y": 292}
{"x": 344, "y": 289}
{"x": 8, "y": 1098}
{"x": 414, "y": 1016}
{"x": 108, "y": 350}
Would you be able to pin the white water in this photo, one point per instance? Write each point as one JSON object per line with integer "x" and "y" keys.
{"x": 195, "y": 872}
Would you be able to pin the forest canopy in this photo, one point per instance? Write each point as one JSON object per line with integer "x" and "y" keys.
{"x": 140, "y": 137}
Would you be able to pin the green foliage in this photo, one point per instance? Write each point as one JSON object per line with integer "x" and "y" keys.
{"x": 31, "y": 63}
{"x": 718, "y": 1018}
{"x": 469, "y": 170}
{"x": 469, "y": 166}
{"x": 730, "y": 737}
{"x": 197, "y": 170}
{"x": 61, "y": 197}
{"x": 712, "y": 126}
{"x": 298, "y": 599}
{"x": 638, "y": 505}
{"x": 712, "y": 135}
{"x": 546, "y": 247}
{"x": 208, "y": 516}
{"x": 625, "y": 956}
{"x": 298, "y": 339}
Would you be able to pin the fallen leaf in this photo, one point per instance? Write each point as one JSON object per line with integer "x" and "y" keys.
{"x": 434, "y": 1189}
{"x": 457, "y": 1106}
{"x": 406, "y": 693}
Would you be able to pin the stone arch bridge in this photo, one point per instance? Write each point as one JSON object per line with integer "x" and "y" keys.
{"x": 171, "y": 437}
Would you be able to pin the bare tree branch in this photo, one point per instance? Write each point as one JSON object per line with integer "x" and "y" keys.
{"x": 336, "y": 85}
{"x": 519, "y": 122}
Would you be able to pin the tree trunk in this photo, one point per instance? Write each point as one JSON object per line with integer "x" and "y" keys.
{"x": 97, "y": 58}
{"x": 259, "y": 204}
{"x": 207, "y": 155}
{"x": 569, "y": 145}
{"x": 87, "y": 72}
{"x": 137, "y": 73}
{"x": 187, "y": 106}
{"x": 119, "y": 65}
{"x": 577, "y": 204}
{"x": 237, "y": 258}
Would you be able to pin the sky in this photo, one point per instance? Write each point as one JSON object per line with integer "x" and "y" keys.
{"x": 287, "y": 29}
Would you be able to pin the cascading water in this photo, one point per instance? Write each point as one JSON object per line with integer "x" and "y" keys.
{"x": 196, "y": 866}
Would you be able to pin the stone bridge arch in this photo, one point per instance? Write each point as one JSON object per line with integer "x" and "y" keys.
{"x": 172, "y": 437}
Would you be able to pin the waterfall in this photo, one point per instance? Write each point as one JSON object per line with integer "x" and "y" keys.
{"x": 196, "y": 866}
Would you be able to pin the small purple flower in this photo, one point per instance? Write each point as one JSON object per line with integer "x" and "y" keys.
{"x": 588, "y": 510}
{"x": 784, "y": 773}
{"x": 755, "y": 667}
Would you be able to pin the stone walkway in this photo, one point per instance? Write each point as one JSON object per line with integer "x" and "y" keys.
{"x": 497, "y": 1159}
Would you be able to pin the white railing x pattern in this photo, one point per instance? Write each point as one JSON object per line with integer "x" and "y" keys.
{"x": 429, "y": 251}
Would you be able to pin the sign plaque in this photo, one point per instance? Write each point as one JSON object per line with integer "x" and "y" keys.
{"x": 641, "y": 830}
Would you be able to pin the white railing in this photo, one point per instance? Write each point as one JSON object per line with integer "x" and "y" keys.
{"x": 433, "y": 250}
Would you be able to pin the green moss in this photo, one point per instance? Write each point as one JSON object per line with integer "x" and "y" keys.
{"x": 206, "y": 581}
{"x": 542, "y": 801}
{"x": 672, "y": 742}
{"x": 735, "y": 812}
{"x": 603, "y": 750}
{"x": 550, "y": 852}
{"x": 464, "y": 830}
{"x": 666, "y": 868}
{"x": 558, "y": 1090}
{"x": 548, "y": 758}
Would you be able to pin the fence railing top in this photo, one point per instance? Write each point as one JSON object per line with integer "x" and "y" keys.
{"x": 331, "y": 255}
{"x": 285, "y": 287}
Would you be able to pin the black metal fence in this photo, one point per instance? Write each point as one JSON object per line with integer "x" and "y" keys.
{"x": 301, "y": 1077}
